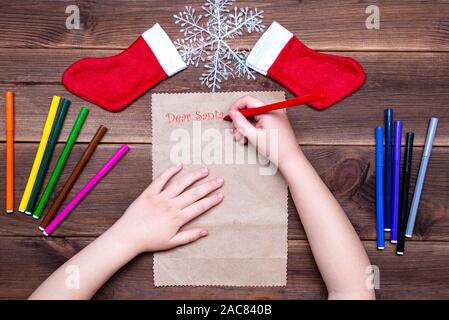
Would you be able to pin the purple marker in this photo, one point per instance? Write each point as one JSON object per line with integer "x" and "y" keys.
{"x": 396, "y": 178}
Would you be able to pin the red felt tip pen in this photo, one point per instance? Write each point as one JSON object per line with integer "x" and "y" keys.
{"x": 279, "y": 105}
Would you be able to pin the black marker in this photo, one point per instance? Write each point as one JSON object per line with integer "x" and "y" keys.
{"x": 403, "y": 211}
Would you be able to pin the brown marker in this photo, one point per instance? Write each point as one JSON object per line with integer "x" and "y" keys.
{"x": 74, "y": 176}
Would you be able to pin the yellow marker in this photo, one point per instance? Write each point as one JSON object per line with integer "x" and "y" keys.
{"x": 40, "y": 153}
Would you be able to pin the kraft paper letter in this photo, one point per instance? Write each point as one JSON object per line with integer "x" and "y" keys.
{"x": 247, "y": 241}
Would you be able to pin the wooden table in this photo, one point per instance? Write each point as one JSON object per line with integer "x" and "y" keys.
{"x": 407, "y": 65}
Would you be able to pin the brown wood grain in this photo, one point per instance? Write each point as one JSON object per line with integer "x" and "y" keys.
{"x": 408, "y": 277}
{"x": 324, "y": 24}
{"x": 348, "y": 171}
{"x": 414, "y": 84}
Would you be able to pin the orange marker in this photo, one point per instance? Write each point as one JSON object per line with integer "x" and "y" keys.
{"x": 9, "y": 152}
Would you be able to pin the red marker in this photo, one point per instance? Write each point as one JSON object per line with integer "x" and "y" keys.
{"x": 279, "y": 105}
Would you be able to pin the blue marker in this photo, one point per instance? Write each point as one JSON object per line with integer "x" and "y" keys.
{"x": 380, "y": 188}
{"x": 388, "y": 168}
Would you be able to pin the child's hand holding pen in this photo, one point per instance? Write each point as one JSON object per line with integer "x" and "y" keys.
{"x": 338, "y": 252}
{"x": 270, "y": 132}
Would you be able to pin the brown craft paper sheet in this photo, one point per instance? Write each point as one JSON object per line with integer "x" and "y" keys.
{"x": 247, "y": 241}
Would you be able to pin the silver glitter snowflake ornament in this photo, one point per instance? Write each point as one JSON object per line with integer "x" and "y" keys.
{"x": 206, "y": 39}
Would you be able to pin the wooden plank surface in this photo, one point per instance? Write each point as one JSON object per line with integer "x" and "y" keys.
{"x": 348, "y": 171}
{"x": 324, "y": 24}
{"x": 407, "y": 277}
{"x": 415, "y": 84}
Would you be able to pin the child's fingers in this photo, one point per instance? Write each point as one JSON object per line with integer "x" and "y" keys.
{"x": 199, "y": 207}
{"x": 178, "y": 186}
{"x": 237, "y": 136}
{"x": 187, "y": 236}
{"x": 244, "y": 126}
{"x": 158, "y": 184}
{"x": 191, "y": 196}
{"x": 246, "y": 102}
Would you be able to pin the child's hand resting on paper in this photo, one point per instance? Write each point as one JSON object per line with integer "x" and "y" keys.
{"x": 153, "y": 220}
{"x": 151, "y": 223}
{"x": 265, "y": 131}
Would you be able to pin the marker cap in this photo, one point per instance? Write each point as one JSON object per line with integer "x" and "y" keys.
{"x": 397, "y": 140}
{"x": 409, "y": 150}
{"x": 9, "y": 111}
{"x": 379, "y": 146}
{"x": 388, "y": 116}
{"x": 430, "y": 137}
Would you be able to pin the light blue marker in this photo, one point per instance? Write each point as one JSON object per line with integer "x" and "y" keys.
{"x": 421, "y": 176}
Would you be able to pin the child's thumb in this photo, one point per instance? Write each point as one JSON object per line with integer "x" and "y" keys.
{"x": 187, "y": 236}
{"x": 243, "y": 125}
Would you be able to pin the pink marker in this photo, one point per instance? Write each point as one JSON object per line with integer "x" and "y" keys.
{"x": 86, "y": 189}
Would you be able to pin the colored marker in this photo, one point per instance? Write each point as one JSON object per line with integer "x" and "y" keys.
{"x": 87, "y": 154}
{"x": 403, "y": 209}
{"x": 380, "y": 188}
{"x": 61, "y": 162}
{"x": 86, "y": 189}
{"x": 431, "y": 131}
{"x": 388, "y": 168}
{"x": 9, "y": 152}
{"x": 396, "y": 180}
{"x": 40, "y": 153}
{"x": 62, "y": 111}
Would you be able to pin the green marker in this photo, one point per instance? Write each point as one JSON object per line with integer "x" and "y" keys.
{"x": 62, "y": 111}
{"x": 61, "y": 162}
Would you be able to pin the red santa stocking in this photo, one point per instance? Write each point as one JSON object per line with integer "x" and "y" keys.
{"x": 281, "y": 56}
{"x": 114, "y": 82}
